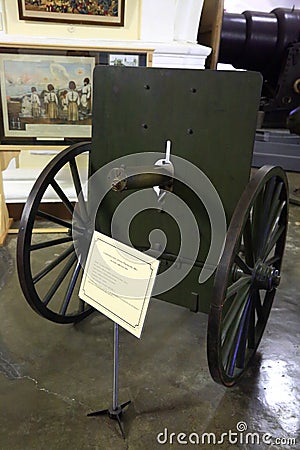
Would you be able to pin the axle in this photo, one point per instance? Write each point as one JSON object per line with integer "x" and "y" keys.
{"x": 142, "y": 177}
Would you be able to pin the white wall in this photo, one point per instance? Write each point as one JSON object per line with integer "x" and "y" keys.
{"x": 170, "y": 20}
{"x": 145, "y": 21}
{"x": 187, "y": 18}
{"x": 258, "y": 5}
{"x": 14, "y": 26}
{"x": 157, "y": 26}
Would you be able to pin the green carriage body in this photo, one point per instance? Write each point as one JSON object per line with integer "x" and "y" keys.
{"x": 210, "y": 118}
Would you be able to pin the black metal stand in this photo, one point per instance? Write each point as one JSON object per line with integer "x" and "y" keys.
{"x": 116, "y": 411}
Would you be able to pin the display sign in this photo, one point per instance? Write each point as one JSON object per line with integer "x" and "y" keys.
{"x": 118, "y": 281}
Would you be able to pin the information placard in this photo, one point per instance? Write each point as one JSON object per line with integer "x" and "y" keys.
{"x": 118, "y": 281}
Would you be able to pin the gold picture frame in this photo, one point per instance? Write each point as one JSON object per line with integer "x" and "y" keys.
{"x": 93, "y": 12}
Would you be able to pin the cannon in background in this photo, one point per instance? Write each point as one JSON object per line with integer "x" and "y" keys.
{"x": 268, "y": 43}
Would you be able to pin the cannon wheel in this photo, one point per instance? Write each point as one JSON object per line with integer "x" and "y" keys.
{"x": 247, "y": 275}
{"x": 48, "y": 268}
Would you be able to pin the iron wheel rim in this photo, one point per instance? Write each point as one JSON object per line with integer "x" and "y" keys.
{"x": 24, "y": 242}
{"x": 225, "y": 353}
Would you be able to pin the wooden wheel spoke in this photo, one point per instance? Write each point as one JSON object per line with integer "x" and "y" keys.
{"x": 239, "y": 342}
{"x": 247, "y": 339}
{"x": 62, "y": 196}
{"x": 251, "y": 328}
{"x": 265, "y": 203}
{"x": 52, "y": 265}
{"x": 272, "y": 260}
{"x": 231, "y": 322}
{"x": 276, "y": 208}
{"x": 275, "y": 215}
{"x": 268, "y": 196}
{"x": 274, "y": 237}
{"x": 271, "y": 228}
{"x": 59, "y": 279}
{"x": 51, "y": 243}
{"x": 258, "y": 305}
{"x": 242, "y": 342}
{"x": 75, "y": 176}
{"x": 233, "y": 310}
{"x": 248, "y": 243}
{"x": 70, "y": 289}
{"x": 257, "y": 224}
{"x": 78, "y": 188}
{"x": 267, "y": 301}
{"x": 80, "y": 226}
{"x": 54, "y": 219}
{"x": 237, "y": 285}
{"x": 242, "y": 265}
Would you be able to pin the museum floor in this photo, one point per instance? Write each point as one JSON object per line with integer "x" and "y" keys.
{"x": 52, "y": 375}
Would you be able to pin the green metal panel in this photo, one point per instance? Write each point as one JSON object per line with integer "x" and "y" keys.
{"x": 210, "y": 117}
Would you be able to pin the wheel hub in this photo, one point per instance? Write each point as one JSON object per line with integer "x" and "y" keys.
{"x": 265, "y": 277}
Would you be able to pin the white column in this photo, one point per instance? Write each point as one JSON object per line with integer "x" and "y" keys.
{"x": 157, "y": 20}
{"x": 170, "y": 20}
{"x": 172, "y": 25}
{"x": 187, "y": 19}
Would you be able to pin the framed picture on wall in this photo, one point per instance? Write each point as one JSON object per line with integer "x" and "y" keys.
{"x": 46, "y": 96}
{"x": 94, "y": 12}
{"x": 123, "y": 60}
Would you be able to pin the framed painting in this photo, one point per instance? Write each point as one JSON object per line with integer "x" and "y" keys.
{"x": 46, "y": 97}
{"x": 46, "y": 94}
{"x": 123, "y": 60}
{"x": 94, "y": 12}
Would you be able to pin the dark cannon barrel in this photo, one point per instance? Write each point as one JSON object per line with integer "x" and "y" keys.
{"x": 233, "y": 38}
{"x": 258, "y": 40}
{"x": 261, "y": 38}
{"x": 268, "y": 43}
{"x": 248, "y": 38}
{"x": 288, "y": 28}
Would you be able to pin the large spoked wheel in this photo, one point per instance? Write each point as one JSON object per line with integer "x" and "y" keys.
{"x": 49, "y": 268}
{"x": 247, "y": 275}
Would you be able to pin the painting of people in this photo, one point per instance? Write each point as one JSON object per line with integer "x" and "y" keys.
{"x": 38, "y": 93}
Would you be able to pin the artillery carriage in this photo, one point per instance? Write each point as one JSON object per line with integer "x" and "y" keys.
{"x": 233, "y": 229}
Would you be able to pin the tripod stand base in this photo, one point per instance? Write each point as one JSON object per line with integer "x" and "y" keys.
{"x": 113, "y": 413}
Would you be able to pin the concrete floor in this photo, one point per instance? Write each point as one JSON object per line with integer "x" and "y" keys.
{"x": 52, "y": 375}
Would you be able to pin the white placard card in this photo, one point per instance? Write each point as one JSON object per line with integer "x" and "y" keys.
{"x": 118, "y": 281}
